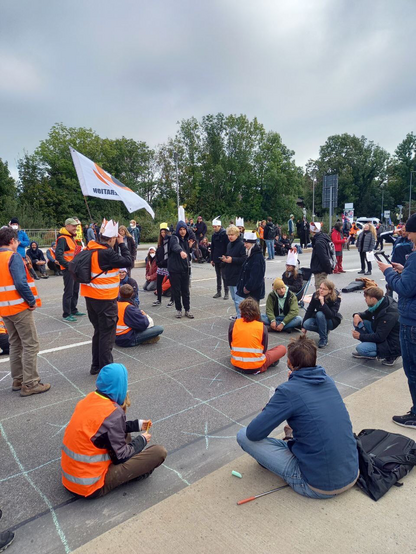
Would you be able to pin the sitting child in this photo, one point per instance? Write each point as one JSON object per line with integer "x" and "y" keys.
{"x": 282, "y": 309}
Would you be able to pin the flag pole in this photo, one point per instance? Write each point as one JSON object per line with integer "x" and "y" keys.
{"x": 88, "y": 208}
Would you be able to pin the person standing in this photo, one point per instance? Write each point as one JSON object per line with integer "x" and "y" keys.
{"x": 402, "y": 279}
{"x": 90, "y": 234}
{"x": 338, "y": 239}
{"x": 251, "y": 278}
{"x": 269, "y": 236}
{"x": 260, "y": 231}
{"x": 102, "y": 292}
{"x": 219, "y": 242}
{"x": 66, "y": 249}
{"x": 365, "y": 243}
{"x": 130, "y": 243}
{"x": 22, "y": 237}
{"x": 162, "y": 273}
{"x": 320, "y": 260}
{"x": 179, "y": 259}
{"x": 135, "y": 231}
{"x": 291, "y": 228}
{"x": 233, "y": 260}
{"x": 18, "y": 299}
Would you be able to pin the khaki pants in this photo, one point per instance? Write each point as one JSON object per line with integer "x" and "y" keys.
{"x": 319, "y": 277}
{"x": 24, "y": 347}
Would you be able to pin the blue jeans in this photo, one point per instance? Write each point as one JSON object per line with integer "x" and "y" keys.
{"x": 319, "y": 324}
{"x": 148, "y": 334}
{"x": 367, "y": 348}
{"x": 408, "y": 346}
{"x": 234, "y": 296}
{"x": 270, "y": 248}
{"x": 295, "y": 322}
{"x": 274, "y": 455}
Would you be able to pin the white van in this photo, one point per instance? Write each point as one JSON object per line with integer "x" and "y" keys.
{"x": 361, "y": 221}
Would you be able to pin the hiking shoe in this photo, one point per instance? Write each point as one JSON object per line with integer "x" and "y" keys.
{"x": 6, "y": 539}
{"x": 389, "y": 361}
{"x": 322, "y": 343}
{"x": 407, "y": 420}
{"x": 38, "y": 388}
{"x": 169, "y": 304}
{"x": 156, "y": 303}
{"x": 152, "y": 341}
{"x": 17, "y": 384}
{"x": 79, "y": 314}
{"x": 226, "y": 297}
{"x": 233, "y": 317}
{"x": 217, "y": 295}
{"x": 362, "y": 357}
{"x": 70, "y": 318}
{"x": 94, "y": 371}
{"x": 189, "y": 315}
{"x": 179, "y": 314}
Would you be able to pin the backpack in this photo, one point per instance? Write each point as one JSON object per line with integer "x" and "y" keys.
{"x": 332, "y": 255}
{"x": 384, "y": 458}
{"x": 80, "y": 266}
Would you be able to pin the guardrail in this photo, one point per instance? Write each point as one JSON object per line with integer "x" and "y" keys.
{"x": 44, "y": 237}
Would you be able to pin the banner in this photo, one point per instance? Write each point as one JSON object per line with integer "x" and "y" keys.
{"x": 96, "y": 182}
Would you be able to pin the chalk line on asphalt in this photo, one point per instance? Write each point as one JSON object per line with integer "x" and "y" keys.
{"x": 56, "y": 349}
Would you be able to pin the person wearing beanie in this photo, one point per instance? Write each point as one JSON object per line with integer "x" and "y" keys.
{"x": 151, "y": 270}
{"x": 282, "y": 309}
{"x": 162, "y": 273}
{"x": 98, "y": 453}
{"x": 402, "y": 279}
{"x": 22, "y": 237}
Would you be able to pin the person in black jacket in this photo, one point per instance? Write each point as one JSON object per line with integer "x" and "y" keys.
{"x": 129, "y": 241}
{"x": 323, "y": 314}
{"x": 269, "y": 236}
{"x": 200, "y": 228}
{"x": 365, "y": 243}
{"x": 219, "y": 242}
{"x": 38, "y": 259}
{"x": 162, "y": 272}
{"x": 292, "y": 279}
{"x": 179, "y": 260}
{"x": 321, "y": 259}
{"x": 233, "y": 260}
{"x": 251, "y": 278}
{"x": 377, "y": 328}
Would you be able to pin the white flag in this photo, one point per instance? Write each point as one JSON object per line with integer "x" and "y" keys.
{"x": 96, "y": 182}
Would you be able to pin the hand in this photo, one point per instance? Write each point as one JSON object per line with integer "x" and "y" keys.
{"x": 246, "y": 291}
{"x": 191, "y": 242}
{"x": 228, "y": 259}
{"x": 273, "y": 325}
{"x": 184, "y": 255}
{"x": 356, "y": 334}
{"x": 147, "y": 436}
{"x": 382, "y": 267}
{"x": 31, "y": 308}
{"x": 397, "y": 267}
{"x": 304, "y": 331}
{"x": 142, "y": 312}
{"x": 212, "y": 263}
{"x": 356, "y": 320}
{"x": 322, "y": 300}
{"x": 280, "y": 327}
{"x": 120, "y": 239}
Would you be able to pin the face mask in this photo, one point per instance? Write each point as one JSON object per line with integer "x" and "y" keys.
{"x": 15, "y": 227}
{"x": 152, "y": 255}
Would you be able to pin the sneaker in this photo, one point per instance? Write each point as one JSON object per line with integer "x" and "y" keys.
{"x": 274, "y": 364}
{"x": 367, "y": 273}
{"x": 226, "y": 296}
{"x": 322, "y": 343}
{"x": 156, "y": 303}
{"x": 94, "y": 371}
{"x": 217, "y": 295}
{"x": 407, "y": 420}
{"x": 38, "y": 388}
{"x": 79, "y": 314}
{"x": 360, "y": 272}
{"x": 70, "y": 318}
{"x": 44, "y": 276}
{"x": 6, "y": 539}
{"x": 17, "y": 384}
{"x": 389, "y": 361}
{"x": 362, "y": 357}
{"x": 152, "y": 341}
{"x": 169, "y": 304}
{"x": 233, "y": 317}
{"x": 178, "y": 314}
{"x": 189, "y": 315}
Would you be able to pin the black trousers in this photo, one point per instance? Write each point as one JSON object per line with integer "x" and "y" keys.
{"x": 180, "y": 290}
{"x": 363, "y": 259}
{"x": 219, "y": 270}
{"x": 4, "y": 343}
{"x": 159, "y": 282}
{"x": 103, "y": 315}
{"x": 70, "y": 297}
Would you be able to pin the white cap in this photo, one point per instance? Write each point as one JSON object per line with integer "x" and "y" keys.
{"x": 315, "y": 227}
{"x": 250, "y": 237}
{"x": 239, "y": 222}
{"x": 217, "y": 221}
{"x": 292, "y": 258}
{"x": 109, "y": 229}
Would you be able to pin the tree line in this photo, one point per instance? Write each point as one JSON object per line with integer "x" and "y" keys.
{"x": 227, "y": 165}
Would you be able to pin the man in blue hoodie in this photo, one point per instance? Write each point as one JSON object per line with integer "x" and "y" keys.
{"x": 318, "y": 457}
{"x": 21, "y": 236}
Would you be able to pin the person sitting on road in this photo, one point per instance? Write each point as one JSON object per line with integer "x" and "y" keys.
{"x": 151, "y": 270}
{"x": 98, "y": 453}
{"x": 134, "y": 326}
{"x": 323, "y": 314}
{"x": 377, "y": 328}
{"x": 52, "y": 262}
{"x": 318, "y": 457}
{"x": 4, "y": 339}
{"x": 291, "y": 277}
{"x": 38, "y": 259}
{"x": 126, "y": 280}
{"x": 248, "y": 339}
{"x": 282, "y": 309}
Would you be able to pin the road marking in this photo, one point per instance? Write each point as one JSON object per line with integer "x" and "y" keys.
{"x": 207, "y": 279}
{"x": 56, "y": 349}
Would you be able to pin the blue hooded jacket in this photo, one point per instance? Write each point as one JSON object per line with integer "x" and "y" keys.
{"x": 404, "y": 284}
{"x": 112, "y": 381}
{"x": 323, "y": 442}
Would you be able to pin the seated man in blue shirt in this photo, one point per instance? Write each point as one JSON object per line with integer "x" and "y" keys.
{"x": 318, "y": 457}
{"x": 134, "y": 326}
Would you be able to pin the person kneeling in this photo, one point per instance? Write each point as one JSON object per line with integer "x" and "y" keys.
{"x": 318, "y": 457}
{"x": 134, "y": 326}
{"x": 282, "y": 309}
{"x": 248, "y": 339}
{"x": 377, "y": 328}
{"x": 323, "y": 314}
{"x": 98, "y": 454}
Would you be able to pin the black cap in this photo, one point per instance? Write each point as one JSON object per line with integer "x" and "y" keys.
{"x": 411, "y": 224}
{"x": 14, "y": 220}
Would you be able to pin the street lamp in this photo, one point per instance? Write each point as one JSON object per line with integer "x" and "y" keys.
{"x": 410, "y": 192}
{"x": 175, "y": 157}
{"x": 382, "y": 200}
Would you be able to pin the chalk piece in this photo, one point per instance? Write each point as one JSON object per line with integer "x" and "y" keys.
{"x": 236, "y": 474}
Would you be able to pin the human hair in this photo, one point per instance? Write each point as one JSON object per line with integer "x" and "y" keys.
{"x": 7, "y": 234}
{"x": 250, "y": 310}
{"x": 126, "y": 291}
{"x": 338, "y": 226}
{"x": 373, "y": 231}
{"x": 294, "y": 272}
{"x": 333, "y": 293}
{"x": 302, "y": 352}
{"x": 124, "y": 228}
{"x": 269, "y": 219}
{"x": 374, "y": 292}
{"x": 233, "y": 230}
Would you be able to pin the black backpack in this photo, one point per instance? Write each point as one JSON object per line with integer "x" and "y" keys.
{"x": 384, "y": 459}
{"x": 80, "y": 266}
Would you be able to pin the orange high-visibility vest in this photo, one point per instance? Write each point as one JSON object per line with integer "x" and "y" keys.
{"x": 3, "y": 330}
{"x": 261, "y": 232}
{"x": 69, "y": 254}
{"x": 122, "y": 328}
{"x": 246, "y": 345}
{"x": 83, "y": 465}
{"x": 52, "y": 253}
{"x": 11, "y": 303}
{"x": 104, "y": 286}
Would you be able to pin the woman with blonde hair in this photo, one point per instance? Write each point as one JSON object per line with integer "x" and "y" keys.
{"x": 130, "y": 243}
{"x": 323, "y": 314}
{"x": 366, "y": 242}
{"x": 233, "y": 260}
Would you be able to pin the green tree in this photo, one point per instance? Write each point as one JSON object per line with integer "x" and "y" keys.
{"x": 8, "y": 193}
{"x": 404, "y": 162}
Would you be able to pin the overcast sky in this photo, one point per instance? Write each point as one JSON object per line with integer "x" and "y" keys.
{"x": 307, "y": 69}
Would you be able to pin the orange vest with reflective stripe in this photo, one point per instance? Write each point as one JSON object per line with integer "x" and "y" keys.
{"x": 11, "y": 303}
{"x": 246, "y": 345}
{"x": 261, "y": 232}
{"x": 104, "y": 286}
{"x": 83, "y": 465}
{"x": 122, "y": 328}
{"x": 69, "y": 254}
{"x": 52, "y": 253}
{"x": 3, "y": 330}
